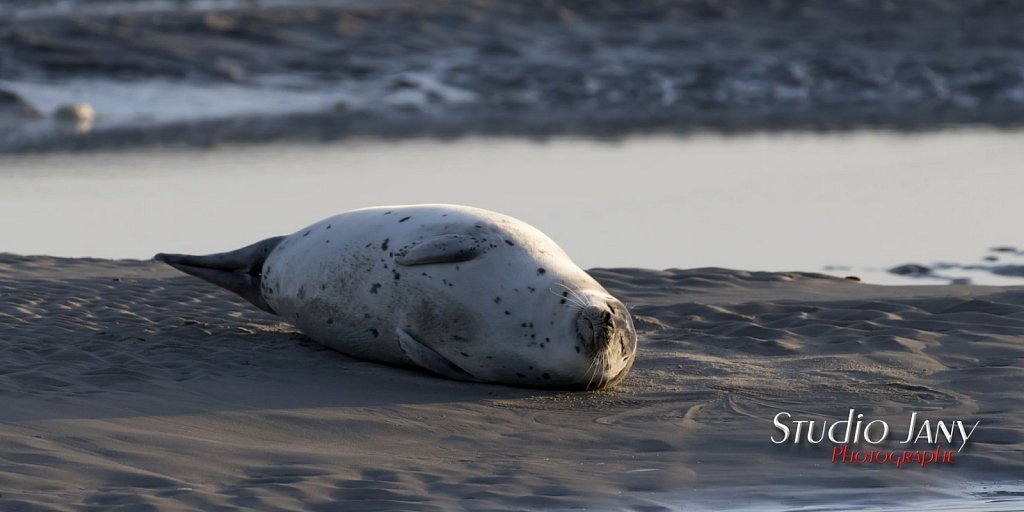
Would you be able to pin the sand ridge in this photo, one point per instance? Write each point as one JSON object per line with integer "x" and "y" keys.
{"x": 125, "y": 385}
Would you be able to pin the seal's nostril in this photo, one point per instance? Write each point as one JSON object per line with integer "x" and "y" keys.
{"x": 606, "y": 316}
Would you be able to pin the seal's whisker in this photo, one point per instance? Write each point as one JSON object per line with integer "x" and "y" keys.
{"x": 601, "y": 366}
{"x": 587, "y": 372}
{"x": 593, "y": 373}
{"x": 578, "y": 297}
{"x": 574, "y": 299}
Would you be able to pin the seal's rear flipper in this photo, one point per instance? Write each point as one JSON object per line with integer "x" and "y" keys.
{"x": 239, "y": 271}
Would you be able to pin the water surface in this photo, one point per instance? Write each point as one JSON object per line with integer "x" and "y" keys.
{"x": 845, "y": 203}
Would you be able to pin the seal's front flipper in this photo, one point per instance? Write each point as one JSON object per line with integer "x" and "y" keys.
{"x": 426, "y": 358}
{"x": 239, "y": 271}
{"x": 441, "y": 249}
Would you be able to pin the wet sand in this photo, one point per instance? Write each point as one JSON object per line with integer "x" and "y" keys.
{"x": 204, "y": 73}
{"x": 125, "y": 384}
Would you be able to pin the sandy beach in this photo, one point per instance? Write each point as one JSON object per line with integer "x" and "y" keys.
{"x": 127, "y": 386}
{"x": 800, "y": 168}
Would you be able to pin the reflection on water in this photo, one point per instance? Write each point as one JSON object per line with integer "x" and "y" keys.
{"x": 766, "y": 202}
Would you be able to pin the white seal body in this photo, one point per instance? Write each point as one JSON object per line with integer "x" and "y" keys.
{"x": 458, "y": 291}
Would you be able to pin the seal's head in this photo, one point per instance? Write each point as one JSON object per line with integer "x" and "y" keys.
{"x": 578, "y": 336}
{"x": 604, "y": 338}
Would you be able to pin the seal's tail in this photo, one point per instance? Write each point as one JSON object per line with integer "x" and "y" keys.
{"x": 239, "y": 271}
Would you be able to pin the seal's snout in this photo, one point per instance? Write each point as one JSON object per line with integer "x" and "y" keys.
{"x": 606, "y": 327}
{"x": 593, "y": 325}
{"x": 606, "y": 337}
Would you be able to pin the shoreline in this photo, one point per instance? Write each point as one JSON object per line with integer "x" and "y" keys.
{"x": 330, "y": 127}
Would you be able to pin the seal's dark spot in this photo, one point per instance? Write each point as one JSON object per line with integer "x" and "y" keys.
{"x": 522, "y": 324}
{"x": 387, "y": 213}
{"x": 533, "y": 336}
{"x": 384, "y": 246}
{"x": 323, "y": 287}
{"x": 532, "y": 289}
{"x": 541, "y": 271}
{"x": 464, "y": 354}
{"x": 328, "y": 226}
{"x": 546, "y": 376}
{"x": 368, "y": 245}
{"x": 561, "y": 301}
{"x": 397, "y": 275}
{"x": 327, "y": 241}
{"x": 521, "y": 376}
{"x": 366, "y": 315}
{"x": 577, "y": 349}
{"x": 547, "y": 340}
{"x": 330, "y": 321}
{"x": 375, "y": 332}
{"x": 509, "y": 242}
{"x": 404, "y": 219}
{"x": 508, "y": 312}
{"x": 306, "y": 233}
{"x": 375, "y": 287}
{"x": 497, "y": 300}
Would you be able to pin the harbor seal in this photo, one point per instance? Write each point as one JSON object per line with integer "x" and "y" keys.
{"x": 461, "y": 292}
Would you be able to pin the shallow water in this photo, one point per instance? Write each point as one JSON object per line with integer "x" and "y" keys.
{"x": 848, "y": 204}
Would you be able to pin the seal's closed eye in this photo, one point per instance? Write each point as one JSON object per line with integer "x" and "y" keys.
{"x": 441, "y": 249}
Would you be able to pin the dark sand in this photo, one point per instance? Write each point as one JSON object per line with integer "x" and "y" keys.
{"x": 125, "y": 385}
